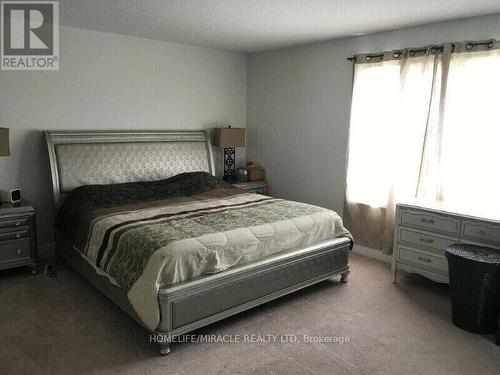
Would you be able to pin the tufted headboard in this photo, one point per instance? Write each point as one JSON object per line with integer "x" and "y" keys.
{"x": 108, "y": 157}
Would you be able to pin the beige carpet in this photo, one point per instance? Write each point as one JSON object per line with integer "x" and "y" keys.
{"x": 63, "y": 326}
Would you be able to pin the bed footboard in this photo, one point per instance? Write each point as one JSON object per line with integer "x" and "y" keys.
{"x": 197, "y": 303}
{"x": 207, "y": 299}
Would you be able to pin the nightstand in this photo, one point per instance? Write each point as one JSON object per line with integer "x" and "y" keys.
{"x": 258, "y": 187}
{"x": 18, "y": 236}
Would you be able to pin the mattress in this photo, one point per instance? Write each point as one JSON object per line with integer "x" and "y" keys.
{"x": 149, "y": 235}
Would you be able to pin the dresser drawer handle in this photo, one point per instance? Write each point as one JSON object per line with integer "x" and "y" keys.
{"x": 427, "y": 221}
{"x": 18, "y": 235}
{"x": 426, "y": 240}
{"x": 426, "y": 260}
{"x": 18, "y": 223}
{"x": 19, "y": 251}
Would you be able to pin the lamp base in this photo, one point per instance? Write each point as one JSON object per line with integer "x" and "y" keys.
{"x": 229, "y": 164}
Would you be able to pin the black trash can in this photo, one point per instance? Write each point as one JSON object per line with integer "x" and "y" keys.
{"x": 474, "y": 286}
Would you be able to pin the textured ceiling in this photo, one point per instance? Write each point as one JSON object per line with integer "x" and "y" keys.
{"x": 254, "y": 25}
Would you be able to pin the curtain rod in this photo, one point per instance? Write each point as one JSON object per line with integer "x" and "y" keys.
{"x": 437, "y": 48}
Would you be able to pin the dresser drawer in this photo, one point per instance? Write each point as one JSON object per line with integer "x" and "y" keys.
{"x": 411, "y": 256}
{"x": 15, "y": 251}
{"x": 14, "y": 223}
{"x": 481, "y": 231}
{"x": 430, "y": 221}
{"x": 13, "y": 235}
{"x": 431, "y": 242}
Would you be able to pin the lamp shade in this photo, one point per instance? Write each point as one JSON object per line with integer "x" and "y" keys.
{"x": 4, "y": 142}
{"x": 229, "y": 137}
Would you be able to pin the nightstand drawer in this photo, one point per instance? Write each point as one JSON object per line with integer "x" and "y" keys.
{"x": 482, "y": 232}
{"x": 14, "y": 223}
{"x": 15, "y": 251}
{"x": 257, "y": 191}
{"x": 13, "y": 235}
{"x": 256, "y": 187}
{"x": 430, "y": 221}
{"x": 435, "y": 243}
{"x": 411, "y": 256}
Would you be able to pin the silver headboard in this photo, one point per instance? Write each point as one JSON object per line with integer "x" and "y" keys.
{"x": 108, "y": 157}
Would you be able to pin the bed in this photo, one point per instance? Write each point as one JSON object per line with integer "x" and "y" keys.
{"x": 141, "y": 217}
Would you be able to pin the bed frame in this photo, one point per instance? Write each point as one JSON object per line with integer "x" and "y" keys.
{"x": 78, "y": 158}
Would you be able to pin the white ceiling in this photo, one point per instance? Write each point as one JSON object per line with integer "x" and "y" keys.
{"x": 254, "y": 25}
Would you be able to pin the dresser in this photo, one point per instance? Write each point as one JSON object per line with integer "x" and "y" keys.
{"x": 422, "y": 233}
{"x": 18, "y": 236}
{"x": 258, "y": 187}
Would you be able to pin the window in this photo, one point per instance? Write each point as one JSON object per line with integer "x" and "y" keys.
{"x": 388, "y": 118}
{"x": 423, "y": 128}
{"x": 470, "y": 165}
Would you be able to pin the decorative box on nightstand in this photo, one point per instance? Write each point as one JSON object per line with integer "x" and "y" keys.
{"x": 258, "y": 187}
{"x": 17, "y": 236}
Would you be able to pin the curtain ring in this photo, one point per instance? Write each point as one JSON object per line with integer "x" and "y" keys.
{"x": 490, "y": 44}
{"x": 396, "y": 55}
{"x": 412, "y": 53}
{"x": 368, "y": 58}
{"x": 469, "y": 46}
{"x": 433, "y": 50}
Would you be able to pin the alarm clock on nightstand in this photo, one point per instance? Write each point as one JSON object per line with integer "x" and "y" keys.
{"x": 11, "y": 196}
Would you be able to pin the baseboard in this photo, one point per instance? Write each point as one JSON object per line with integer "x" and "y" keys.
{"x": 46, "y": 251}
{"x": 371, "y": 253}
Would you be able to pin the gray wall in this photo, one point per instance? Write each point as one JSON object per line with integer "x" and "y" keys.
{"x": 109, "y": 81}
{"x": 299, "y": 103}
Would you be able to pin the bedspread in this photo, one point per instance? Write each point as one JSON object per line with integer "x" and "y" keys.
{"x": 144, "y": 236}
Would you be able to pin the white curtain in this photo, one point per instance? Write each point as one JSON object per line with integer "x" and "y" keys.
{"x": 418, "y": 130}
{"x": 468, "y": 175}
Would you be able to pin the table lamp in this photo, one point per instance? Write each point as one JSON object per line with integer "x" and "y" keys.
{"x": 229, "y": 138}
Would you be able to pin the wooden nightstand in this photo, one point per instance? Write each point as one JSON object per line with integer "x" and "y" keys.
{"x": 18, "y": 236}
{"x": 258, "y": 187}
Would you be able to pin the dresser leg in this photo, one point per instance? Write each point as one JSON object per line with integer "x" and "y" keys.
{"x": 34, "y": 269}
{"x": 58, "y": 252}
{"x": 394, "y": 270}
{"x": 344, "y": 277}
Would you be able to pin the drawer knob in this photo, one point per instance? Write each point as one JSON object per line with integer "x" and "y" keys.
{"x": 426, "y": 240}
{"x": 18, "y": 223}
{"x": 19, "y": 251}
{"x": 426, "y": 260}
{"x": 18, "y": 235}
{"x": 427, "y": 221}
